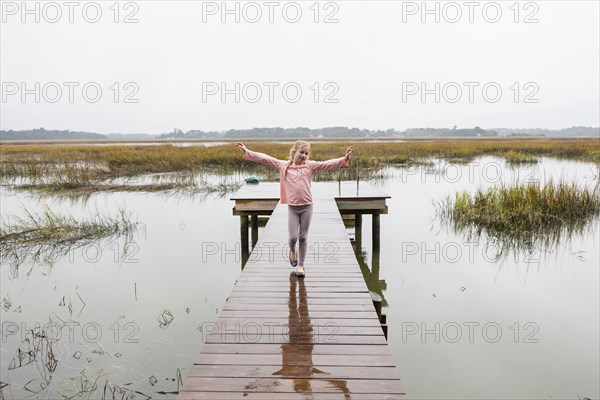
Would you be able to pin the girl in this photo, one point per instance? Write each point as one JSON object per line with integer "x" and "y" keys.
{"x": 295, "y": 176}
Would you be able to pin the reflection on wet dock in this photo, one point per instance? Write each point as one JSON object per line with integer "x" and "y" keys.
{"x": 283, "y": 337}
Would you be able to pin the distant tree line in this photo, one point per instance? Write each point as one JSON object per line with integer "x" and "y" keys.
{"x": 43, "y": 134}
{"x": 572, "y": 131}
{"x": 303, "y": 132}
{"x": 477, "y": 132}
{"x": 331, "y": 132}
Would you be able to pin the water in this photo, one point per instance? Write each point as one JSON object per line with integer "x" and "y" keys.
{"x": 521, "y": 327}
{"x": 462, "y": 323}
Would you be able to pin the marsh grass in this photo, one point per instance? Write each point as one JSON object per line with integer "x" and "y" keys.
{"x": 47, "y": 236}
{"x": 192, "y": 188}
{"x": 31, "y": 159}
{"x": 514, "y": 157}
{"x": 75, "y": 184}
{"x": 523, "y": 216}
{"x": 86, "y": 169}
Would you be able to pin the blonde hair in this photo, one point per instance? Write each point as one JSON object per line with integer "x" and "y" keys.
{"x": 298, "y": 145}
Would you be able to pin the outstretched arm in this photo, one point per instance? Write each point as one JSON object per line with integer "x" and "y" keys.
{"x": 260, "y": 157}
{"x": 333, "y": 163}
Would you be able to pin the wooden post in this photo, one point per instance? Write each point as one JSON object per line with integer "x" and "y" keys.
{"x": 254, "y": 229}
{"x": 375, "y": 268}
{"x": 375, "y": 233}
{"x": 358, "y": 231}
{"x": 244, "y": 238}
{"x": 357, "y": 178}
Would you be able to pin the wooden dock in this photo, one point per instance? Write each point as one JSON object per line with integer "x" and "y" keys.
{"x": 283, "y": 337}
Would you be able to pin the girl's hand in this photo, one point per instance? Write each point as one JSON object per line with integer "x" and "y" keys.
{"x": 241, "y": 147}
{"x": 348, "y": 153}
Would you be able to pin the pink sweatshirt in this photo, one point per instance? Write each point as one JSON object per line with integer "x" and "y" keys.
{"x": 295, "y": 187}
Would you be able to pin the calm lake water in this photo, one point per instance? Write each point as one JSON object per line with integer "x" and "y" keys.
{"x": 463, "y": 322}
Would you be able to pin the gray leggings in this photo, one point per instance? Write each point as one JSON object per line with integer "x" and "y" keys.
{"x": 298, "y": 223}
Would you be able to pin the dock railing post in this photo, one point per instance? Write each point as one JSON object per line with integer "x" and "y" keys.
{"x": 358, "y": 231}
{"x": 375, "y": 232}
{"x": 244, "y": 239}
{"x": 254, "y": 229}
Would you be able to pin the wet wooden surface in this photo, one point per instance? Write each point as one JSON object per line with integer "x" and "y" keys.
{"x": 283, "y": 337}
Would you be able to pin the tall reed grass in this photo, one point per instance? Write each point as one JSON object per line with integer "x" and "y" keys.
{"x": 522, "y": 216}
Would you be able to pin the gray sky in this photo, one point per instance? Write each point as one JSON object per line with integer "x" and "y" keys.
{"x": 373, "y": 63}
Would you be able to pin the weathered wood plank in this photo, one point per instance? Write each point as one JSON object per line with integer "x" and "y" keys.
{"x": 275, "y": 385}
{"x": 328, "y": 329}
{"x": 331, "y": 315}
{"x": 309, "y": 300}
{"x": 310, "y": 294}
{"x": 233, "y": 306}
{"x": 285, "y": 396}
{"x": 266, "y": 322}
{"x": 323, "y": 338}
{"x": 317, "y": 349}
{"x": 294, "y": 371}
{"x": 297, "y": 359}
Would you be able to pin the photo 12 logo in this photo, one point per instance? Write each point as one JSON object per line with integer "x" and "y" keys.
{"x": 462, "y": 252}
{"x": 69, "y": 92}
{"x": 453, "y": 12}
{"x": 471, "y": 92}
{"x": 267, "y": 332}
{"x": 271, "y": 252}
{"x": 53, "y": 12}
{"x": 493, "y": 172}
{"x": 252, "y": 12}
{"x": 471, "y": 332}
{"x": 269, "y": 92}
{"x": 71, "y": 331}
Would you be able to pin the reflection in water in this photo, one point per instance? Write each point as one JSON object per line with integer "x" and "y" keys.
{"x": 47, "y": 237}
{"x": 500, "y": 245}
{"x": 301, "y": 345}
{"x": 117, "y": 392}
{"x": 523, "y": 217}
{"x": 374, "y": 284}
{"x": 36, "y": 350}
{"x": 62, "y": 186}
{"x": 123, "y": 250}
{"x": 81, "y": 384}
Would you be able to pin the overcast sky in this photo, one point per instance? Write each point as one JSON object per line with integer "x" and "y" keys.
{"x": 537, "y": 65}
